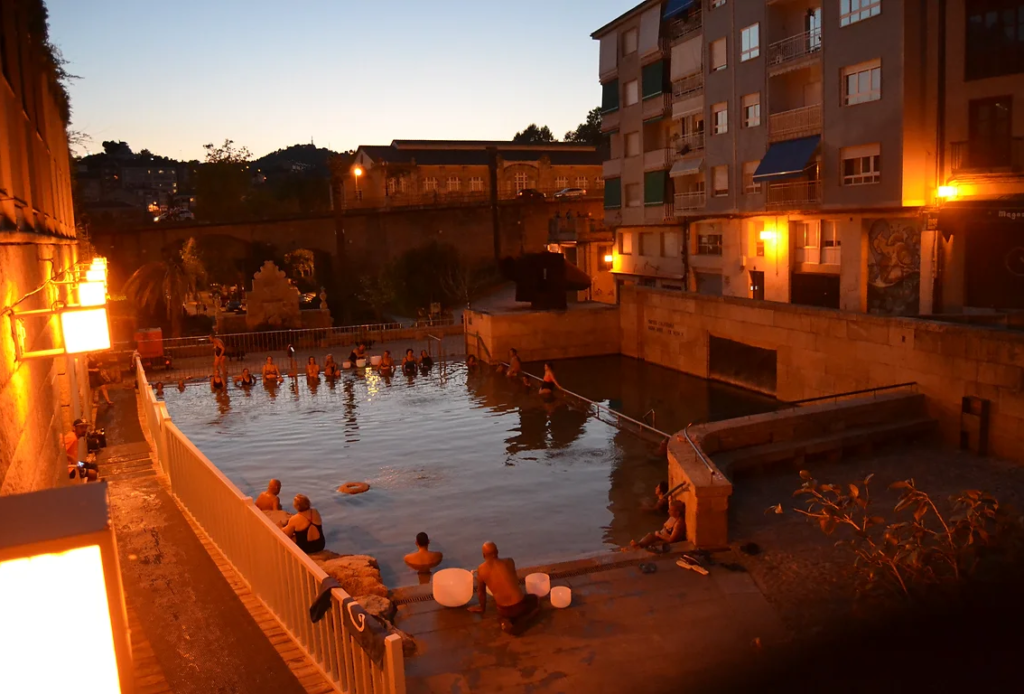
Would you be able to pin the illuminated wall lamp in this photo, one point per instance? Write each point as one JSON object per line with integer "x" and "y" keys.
{"x": 83, "y": 329}
{"x": 769, "y": 235}
{"x": 92, "y": 293}
{"x": 89, "y": 629}
{"x": 947, "y": 192}
{"x": 609, "y": 258}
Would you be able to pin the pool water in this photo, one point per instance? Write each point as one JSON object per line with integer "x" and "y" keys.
{"x": 466, "y": 457}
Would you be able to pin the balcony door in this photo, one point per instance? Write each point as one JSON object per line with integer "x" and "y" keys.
{"x": 989, "y": 132}
{"x": 813, "y": 24}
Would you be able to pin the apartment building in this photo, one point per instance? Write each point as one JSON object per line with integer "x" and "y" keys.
{"x": 806, "y": 146}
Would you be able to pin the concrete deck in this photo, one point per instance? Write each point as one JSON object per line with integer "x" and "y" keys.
{"x": 625, "y": 631}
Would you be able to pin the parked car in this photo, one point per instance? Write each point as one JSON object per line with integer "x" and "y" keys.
{"x": 529, "y": 194}
{"x": 571, "y": 193}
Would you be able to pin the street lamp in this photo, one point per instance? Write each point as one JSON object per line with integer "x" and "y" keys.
{"x": 358, "y": 172}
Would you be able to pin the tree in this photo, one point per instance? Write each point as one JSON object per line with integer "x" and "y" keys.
{"x": 223, "y": 182}
{"x": 168, "y": 283}
{"x": 465, "y": 282}
{"x": 378, "y": 291}
{"x": 589, "y": 131}
{"x": 534, "y": 135}
{"x": 227, "y": 153}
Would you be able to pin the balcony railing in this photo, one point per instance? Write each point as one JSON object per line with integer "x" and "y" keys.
{"x": 658, "y": 159}
{"x": 688, "y": 86}
{"x": 807, "y": 255}
{"x": 655, "y": 106}
{"x": 682, "y": 29}
{"x": 794, "y": 194}
{"x": 609, "y": 121}
{"x": 692, "y": 142}
{"x": 794, "y": 48}
{"x": 687, "y": 202}
{"x": 980, "y": 157}
{"x": 830, "y": 255}
{"x": 798, "y": 122}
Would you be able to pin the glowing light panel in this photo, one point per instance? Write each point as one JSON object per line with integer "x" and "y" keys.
{"x": 92, "y": 294}
{"x": 85, "y": 331}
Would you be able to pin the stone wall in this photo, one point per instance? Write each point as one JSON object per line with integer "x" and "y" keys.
{"x": 584, "y": 330}
{"x": 822, "y": 352}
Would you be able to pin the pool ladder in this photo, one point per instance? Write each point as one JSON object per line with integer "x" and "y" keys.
{"x": 650, "y": 418}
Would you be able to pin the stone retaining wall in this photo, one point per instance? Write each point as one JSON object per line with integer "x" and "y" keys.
{"x": 585, "y": 330}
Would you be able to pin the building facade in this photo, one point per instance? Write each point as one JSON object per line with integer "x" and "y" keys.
{"x": 805, "y": 149}
{"x": 39, "y": 398}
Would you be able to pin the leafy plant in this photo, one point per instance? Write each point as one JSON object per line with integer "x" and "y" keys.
{"x": 927, "y": 549}
{"x": 378, "y": 291}
{"x": 168, "y": 283}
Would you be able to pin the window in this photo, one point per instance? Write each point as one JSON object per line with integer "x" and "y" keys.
{"x": 749, "y": 187}
{"x": 632, "y": 144}
{"x": 429, "y": 184}
{"x": 561, "y": 182}
{"x": 629, "y": 41}
{"x": 717, "y": 3}
{"x": 750, "y": 42}
{"x": 751, "y": 110}
{"x": 717, "y": 59}
{"x": 625, "y": 243}
{"x": 476, "y": 184}
{"x": 709, "y": 243}
{"x": 805, "y": 234}
{"x": 655, "y": 184}
{"x": 401, "y": 185}
{"x": 830, "y": 235}
{"x": 610, "y": 96}
{"x": 720, "y": 180}
{"x": 581, "y": 182}
{"x": 632, "y": 95}
{"x": 720, "y": 118}
{"x": 634, "y": 196}
{"x": 862, "y": 83}
{"x": 613, "y": 194}
{"x": 392, "y": 185}
{"x": 861, "y": 165}
{"x": 670, "y": 244}
{"x": 647, "y": 244}
{"x": 522, "y": 181}
{"x": 851, "y": 11}
{"x": 453, "y": 184}
{"x": 603, "y": 252}
{"x": 994, "y": 43}
{"x": 653, "y": 78}
{"x": 989, "y": 127}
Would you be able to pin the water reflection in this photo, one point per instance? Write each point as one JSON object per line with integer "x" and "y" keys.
{"x": 223, "y": 401}
{"x": 314, "y": 385}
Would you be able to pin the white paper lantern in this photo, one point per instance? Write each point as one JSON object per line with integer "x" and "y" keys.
{"x": 561, "y": 596}
{"x": 452, "y": 587}
{"x": 538, "y": 584}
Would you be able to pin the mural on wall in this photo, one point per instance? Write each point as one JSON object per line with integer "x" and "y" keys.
{"x": 894, "y": 267}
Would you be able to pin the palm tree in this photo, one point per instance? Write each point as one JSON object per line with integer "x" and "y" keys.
{"x": 172, "y": 282}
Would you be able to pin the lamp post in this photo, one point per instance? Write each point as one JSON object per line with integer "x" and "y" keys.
{"x": 358, "y": 173}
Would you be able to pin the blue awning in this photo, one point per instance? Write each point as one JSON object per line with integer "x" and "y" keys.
{"x": 674, "y": 8}
{"x": 786, "y": 159}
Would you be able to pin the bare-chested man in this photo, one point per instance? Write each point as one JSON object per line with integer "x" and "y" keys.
{"x": 269, "y": 499}
{"x": 516, "y": 607}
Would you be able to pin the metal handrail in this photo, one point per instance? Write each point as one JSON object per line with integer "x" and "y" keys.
{"x": 699, "y": 452}
{"x": 653, "y": 415}
{"x": 836, "y": 396}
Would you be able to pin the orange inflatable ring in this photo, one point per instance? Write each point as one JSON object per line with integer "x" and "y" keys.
{"x": 354, "y": 488}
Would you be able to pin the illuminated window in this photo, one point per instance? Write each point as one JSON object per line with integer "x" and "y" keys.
{"x": 430, "y": 184}
{"x": 709, "y": 244}
{"x": 862, "y": 83}
{"x": 750, "y": 40}
{"x": 861, "y": 165}
{"x": 625, "y": 242}
{"x": 851, "y": 11}
{"x": 581, "y": 182}
{"x": 476, "y": 184}
{"x": 522, "y": 181}
{"x": 453, "y": 184}
{"x": 561, "y": 182}
{"x": 392, "y": 186}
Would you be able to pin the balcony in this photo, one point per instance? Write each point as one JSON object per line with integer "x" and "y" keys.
{"x": 688, "y": 87}
{"x": 799, "y": 122}
{"x": 793, "y": 52}
{"x": 689, "y": 202}
{"x": 983, "y": 157}
{"x": 658, "y": 159}
{"x": 611, "y": 168}
{"x": 610, "y": 121}
{"x": 653, "y": 106}
{"x": 794, "y": 194}
{"x": 682, "y": 29}
{"x": 658, "y": 214}
{"x": 830, "y": 255}
{"x": 691, "y": 142}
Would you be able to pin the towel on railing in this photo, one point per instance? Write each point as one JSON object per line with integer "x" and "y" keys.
{"x": 368, "y": 631}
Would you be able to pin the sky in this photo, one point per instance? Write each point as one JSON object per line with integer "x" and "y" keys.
{"x": 170, "y": 77}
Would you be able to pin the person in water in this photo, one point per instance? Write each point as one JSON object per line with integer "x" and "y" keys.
{"x": 270, "y": 371}
{"x": 471, "y": 362}
{"x": 673, "y": 531}
{"x": 217, "y": 382}
{"x": 159, "y": 389}
{"x": 661, "y": 500}
{"x": 548, "y": 383}
{"x": 312, "y": 369}
{"x": 306, "y": 527}
{"x": 425, "y": 360}
{"x": 409, "y": 363}
{"x": 181, "y": 385}
{"x": 220, "y": 356}
{"x": 423, "y": 560}
{"x": 387, "y": 362}
{"x": 245, "y": 380}
{"x": 515, "y": 366}
{"x": 516, "y": 608}
{"x": 269, "y": 500}
{"x": 358, "y": 353}
{"x": 331, "y": 368}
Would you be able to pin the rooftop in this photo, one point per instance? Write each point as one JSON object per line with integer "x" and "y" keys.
{"x": 475, "y": 152}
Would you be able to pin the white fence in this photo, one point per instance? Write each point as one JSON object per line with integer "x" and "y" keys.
{"x": 285, "y": 580}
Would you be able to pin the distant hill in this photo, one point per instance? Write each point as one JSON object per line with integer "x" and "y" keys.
{"x": 309, "y": 159}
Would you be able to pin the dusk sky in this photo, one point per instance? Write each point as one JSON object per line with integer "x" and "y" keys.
{"x": 171, "y": 77}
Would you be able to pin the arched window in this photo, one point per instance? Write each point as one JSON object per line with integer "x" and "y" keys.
{"x": 429, "y": 184}
{"x": 453, "y": 184}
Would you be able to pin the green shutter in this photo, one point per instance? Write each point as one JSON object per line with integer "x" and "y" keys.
{"x": 610, "y": 98}
{"x": 654, "y": 78}
{"x": 654, "y": 187}
{"x": 613, "y": 193}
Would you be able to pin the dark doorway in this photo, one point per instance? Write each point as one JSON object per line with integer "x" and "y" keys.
{"x": 994, "y": 258}
{"x": 815, "y": 290}
{"x": 757, "y": 285}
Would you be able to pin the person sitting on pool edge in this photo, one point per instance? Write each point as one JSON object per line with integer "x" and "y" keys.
{"x": 673, "y": 531}
{"x": 425, "y": 360}
{"x": 245, "y": 380}
{"x": 270, "y": 371}
{"x": 409, "y": 363}
{"x": 269, "y": 500}
{"x": 312, "y": 369}
{"x": 331, "y": 368}
{"x": 423, "y": 560}
{"x": 306, "y": 527}
{"x": 516, "y": 607}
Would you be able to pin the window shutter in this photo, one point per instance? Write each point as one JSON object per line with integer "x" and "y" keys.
{"x": 717, "y": 54}
{"x": 613, "y": 193}
{"x": 654, "y": 78}
{"x": 654, "y": 188}
{"x": 610, "y": 97}
{"x": 721, "y": 174}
